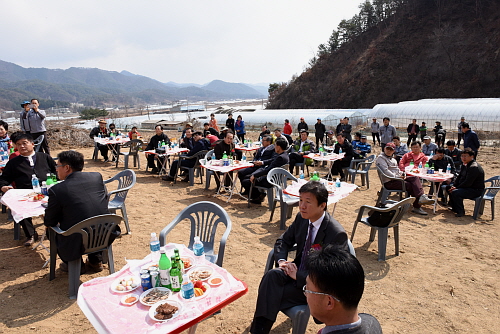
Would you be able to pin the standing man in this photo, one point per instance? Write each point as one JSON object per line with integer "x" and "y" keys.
{"x": 287, "y": 128}
{"x": 153, "y": 145}
{"x": 346, "y": 129}
{"x": 387, "y": 132}
{"x": 320, "y": 131}
{"x": 102, "y": 130}
{"x": 301, "y": 147}
{"x": 460, "y": 133}
{"x": 19, "y": 170}
{"x": 468, "y": 184}
{"x": 230, "y": 122}
{"x": 281, "y": 288}
{"x": 334, "y": 287}
{"x": 413, "y": 130}
{"x": 471, "y": 140}
{"x": 33, "y": 122}
{"x": 440, "y": 134}
{"x": 375, "y": 131}
{"x": 79, "y": 197}
{"x": 302, "y": 125}
{"x": 423, "y": 131}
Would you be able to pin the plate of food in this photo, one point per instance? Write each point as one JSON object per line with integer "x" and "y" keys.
{"x": 215, "y": 281}
{"x": 129, "y": 299}
{"x": 200, "y": 273}
{"x": 188, "y": 262}
{"x": 165, "y": 310}
{"x": 154, "y": 295}
{"x": 125, "y": 284}
{"x": 201, "y": 289}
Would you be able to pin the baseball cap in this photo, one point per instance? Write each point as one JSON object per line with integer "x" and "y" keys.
{"x": 25, "y": 103}
{"x": 189, "y": 123}
{"x": 427, "y": 137}
{"x": 330, "y": 132}
{"x": 392, "y": 146}
{"x": 319, "y": 119}
{"x": 363, "y": 137}
{"x": 102, "y": 121}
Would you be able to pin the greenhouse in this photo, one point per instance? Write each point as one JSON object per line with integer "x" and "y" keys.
{"x": 481, "y": 114}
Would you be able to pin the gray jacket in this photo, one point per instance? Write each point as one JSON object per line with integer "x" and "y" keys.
{"x": 387, "y": 133}
{"x": 32, "y": 122}
{"x": 375, "y": 127}
{"x": 389, "y": 166}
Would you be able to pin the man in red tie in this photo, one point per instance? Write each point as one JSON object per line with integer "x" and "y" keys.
{"x": 313, "y": 228}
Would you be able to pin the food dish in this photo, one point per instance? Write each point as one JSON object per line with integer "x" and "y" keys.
{"x": 215, "y": 281}
{"x": 129, "y": 299}
{"x": 173, "y": 306}
{"x": 154, "y": 295}
{"x": 188, "y": 262}
{"x": 201, "y": 289}
{"x": 125, "y": 284}
{"x": 200, "y": 273}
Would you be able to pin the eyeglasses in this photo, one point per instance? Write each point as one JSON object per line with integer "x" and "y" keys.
{"x": 57, "y": 166}
{"x": 317, "y": 293}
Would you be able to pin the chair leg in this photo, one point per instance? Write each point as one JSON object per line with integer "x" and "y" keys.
{"x": 493, "y": 209}
{"x": 354, "y": 230}
{"x": 111, "y": 261}
{"x": 272, "y": 210}
{"x": 192, "y": 329}
{"x": 382, "y": 243}
{"x": 299, "y": 322}
{"x": 396, "y": 238}
{"x": 52, "y": 255}
{"x": 74, "y": 277}
{"x": 289, "y": 211}
{"x": 125, "y": 218}
{"x": 249, "y": 195}
{"x": 17, "y": 231}
{"x": 367, "y": 181}
{"x": 372, "y": 234}
{"x": 353, "y": 177}
{"x": 191, "y": 177}
{"x": 270, "y": 197}
{"x": 125, "y": 158}
{"x": 283, "y": 209}
{"x": 477, "y": 205}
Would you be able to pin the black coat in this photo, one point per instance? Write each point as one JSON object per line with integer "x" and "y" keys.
{"x": 267, "y": 156}
{"x": 18, "y": 170}
{"x": 153, "y": 142}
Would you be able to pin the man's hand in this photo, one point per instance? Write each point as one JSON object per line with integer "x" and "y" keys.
{"x": 289, "y": 268}
{"x": 451, "y": 189}
{"x": 6, "y": 188}
{"x": 258, "y": 163}
{"x": 252, "y": 178}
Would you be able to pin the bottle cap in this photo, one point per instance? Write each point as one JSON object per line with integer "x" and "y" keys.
{"x": 153, "y": 234}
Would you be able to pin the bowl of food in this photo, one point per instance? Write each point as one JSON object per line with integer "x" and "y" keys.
{"x": 188, "y": 262}
{"x": 125, "y": 284}
{"x": 215, "y": 281}
{"x": 154, "y": 295}
{"x": 129, "y": 299}
{"x": 165, "y": 310}
{"x": 200, "y": 273}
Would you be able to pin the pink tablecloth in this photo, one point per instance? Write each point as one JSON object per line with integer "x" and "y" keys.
{"x": 108, "y": 140}
{"x": 338, "y": 193}
{"x": 328, "y": 157}
{"x": 437, "y": 177}
{"x": 20, "y": 206}
{"x": 104, "y": 305}
{"x": 251, "y": 148}
{"x": 226, "y": 169}
{"x": 171, "y": 151}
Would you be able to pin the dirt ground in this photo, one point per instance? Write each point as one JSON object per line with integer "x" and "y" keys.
{"x": 446, "y": 279}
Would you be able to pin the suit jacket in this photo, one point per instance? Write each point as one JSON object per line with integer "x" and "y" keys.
{"x": 18, "y": 170}
{"x": 329, "y": 232}
{"x": 267, "y": 156}
{"x": 80, "y": 196}
{"x": 278, "y": 161}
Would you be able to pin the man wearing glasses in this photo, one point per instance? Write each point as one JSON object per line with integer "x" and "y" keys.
{"x": 313, "y": 228}
{"x": 19, "y": 171}
{"x": 333, "y": 290}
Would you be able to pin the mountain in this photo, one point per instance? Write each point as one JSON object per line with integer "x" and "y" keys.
{"x": 101, "y": 88}
{"x": 181, "y": 85}
{"x": 425, "y": 49}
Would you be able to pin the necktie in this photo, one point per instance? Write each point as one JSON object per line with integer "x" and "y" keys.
{"x": 307, "y": 248}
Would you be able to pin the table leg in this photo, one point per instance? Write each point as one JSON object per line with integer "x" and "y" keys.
{"x": 40, "y": 243}
{"x": 17, "y": 231}
{"x": 53, "y": 254}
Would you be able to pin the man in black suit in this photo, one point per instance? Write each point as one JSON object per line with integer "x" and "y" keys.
{"x": 262, "y": 158}
{"x": 259, "y": 178}
{"x": 19, "y": 171}
{"x": 281, "y": 288}
{"x": 80, "y": 196}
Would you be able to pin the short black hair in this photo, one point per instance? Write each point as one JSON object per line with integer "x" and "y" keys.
{"x": 465, "y": 125}
{"x": 469, "y": 151}
{"x": 4, "y": 124}
{"x": 228, "y": 132}
{"x": 198, "y": 133}
{"x": 386, "y": 118}
{"x": 268, "y": 138}
{"x": 450, "y": 143}
{"x": 206, "y": 124}
{"x": 113, "y": 124}
{"x": 13, "y": 136}
{"x": 343, "y": 135}
{"x": 278, "y": 129}
{"x": 317, "y": 189}
{"x": 357, "y": 134}
{"x": 416, "y": 142}
{"x": 159, "y": 125}
{"x": 281, "y": 142}
{"x": 287, "y": 121}
{"x": 337, "y": 273}
{"x": 304, "y": 131}
{"x": 134, "y": 127}
{"x": 73, "y": 159}
{"x": 396, "y": 137}
{"x": 22, "y": 136}
{"x": 440, "y": 150}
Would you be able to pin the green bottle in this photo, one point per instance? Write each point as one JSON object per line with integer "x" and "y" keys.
{"x": 180, "y": 263}
{"x": 164, "y": 266}
{"x": 175, "y": 276}
{"x": 49, "y": 180}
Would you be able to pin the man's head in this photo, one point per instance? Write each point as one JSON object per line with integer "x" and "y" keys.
{"x": 357, "y": 136}
{"x": 264, "y": 128}
{"x": 438, "y": 123}
{"x": 189, "y": 125}
{"x": 346, "y": 120}
{"x": 465, "y": 127}
{"x": 341, "y": 138}
{"x": 69, "y": 162}
{"x": 427, "y": 140}
{"x": 467, "y": 155}
{"x": 302, "y": 120}
{"x": 267, "y": 140}
{"x": 112, "y": 126}
{"x": 318, "y": 120}
{"x": 439, "y": 155}
{"x": 416, "y": 147}
{"x": 206, "y": 126}
{"x": 228, "y": 138}
{"x": 4, "y": 127}
{"x": 158, "y": 130}
{"x": 414, "y": 121}
{"x": 363, "y": 139}
{"x": 230, "y": 116}
{"x": 396, "y": 140}
{"x": 35, "y": 103}
{"x": 24, "y": 144}
{"x": 462, "y": 119}
{"x": 386, "y": 120}
{"x": 374, "y": 120}
{"x": 423, "y": 123}
{"x": 389, "y": 149}
{"x": 280, "y": 145}
{"x": 330, "y": 133}
{"x": 277, "y": 132}
{"x": 287, "y": 121}
{"x": 189, "y": 133}
{"x": 303, "y": 135}
{"x": 450, "y": 144}
{"x": 26, "y": 105}
{"x": 134, "y": 129}
{"x": 339, "y": 280}
{"x": 102, "y": 123}
{"x": 197, "y": 135}
{"x": 313, "y": 200}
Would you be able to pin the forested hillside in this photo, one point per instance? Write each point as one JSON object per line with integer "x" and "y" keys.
{"x": 397, "y": 50}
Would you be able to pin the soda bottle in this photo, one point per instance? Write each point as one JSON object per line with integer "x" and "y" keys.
{"x": 198, "y": 250}
{"x": 175, "y": 276}
{"x": 225, "y": 159}
{"x": 178, "y": 259}
{"x": 49, "y": 181}
{"x": 54, "y": 178}
{"x": 187, "y": 287}
{"x": 164, "y": 266}
{"x": 154, "y": 245}
{"x": 35, "y": 183}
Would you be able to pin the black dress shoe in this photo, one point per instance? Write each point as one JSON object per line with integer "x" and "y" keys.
{"x": 459, "y": 214}
{"x": 154, "y": 170}
{"x": 167, "y": 178}
{"x": 30, "y": 241}
{"x": 256, "y": 201}
{"x": 186, "y": 179}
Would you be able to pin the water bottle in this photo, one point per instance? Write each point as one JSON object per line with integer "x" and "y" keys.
{"x": 154, "y": 245}
{"x": 337, "y": 183}
{"x": 35, "y": 183}
{"x": 99, "y": 135}
{"x": 340, "y": 150}
{"x": 244, "y": 158}
{"x": 213, "y": 157}
{"x": 2, "y": 154}
{"x": 187, "y": 287}
{"x": 448, "y": 169}
{"x": 301, "y": 176}
{"x": 198, "y": 250}
{"x": 420, "y": 166}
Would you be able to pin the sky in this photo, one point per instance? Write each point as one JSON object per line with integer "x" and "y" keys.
{"x": 190, "y": 41}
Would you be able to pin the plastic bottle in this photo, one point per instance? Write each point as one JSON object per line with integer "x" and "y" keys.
{"x": 340, "y": 150}
{"x": 164, "y": 266}
{"x": 225, "y": 159}
{"x": 154, "y": 245}
{"x": 35, "y": 183}
{"x": 178, "y": 259}
{"x": 175, "y": 276}
{"x": 213, "y": 157}
{"x": 244, "y": 158}
{"x": 420, "y": 166}
{"x": 198, "y": 250}
{"x": 54, "y": 178}
{"x": 99, "y": 135}
{"x": 49, "y": 181}
{"x": 301, "y": 175}
{"x": 187, "y": 287}
{"x": 337, "y": 183}
{"x": 448, "y": 169}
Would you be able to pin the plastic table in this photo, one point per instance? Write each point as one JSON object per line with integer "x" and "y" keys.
{"x": 171, "y": 151}
{"x": 433, "y": 178}
{"x": 225, "y": 171}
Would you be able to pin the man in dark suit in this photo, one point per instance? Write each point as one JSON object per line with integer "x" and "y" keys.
{"x": 281, "y": 288}
{"x": 80, "y": 196}
{"x": 19, "y": 171}
{"x": 262, "y": 158}
{"x": 259, "y": 178}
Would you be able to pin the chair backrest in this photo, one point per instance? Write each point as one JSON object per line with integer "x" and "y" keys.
{"x": 38, "y": 142}
{"x": 367, "y": 164}
{"x": 205, "y": 218}
{"x": 208, "y": 156}
{"x": 278, "y": 177}
{"x": 401, "y": 208}
{"x": 199, "y": 156}
{"x": 126, "y": 180}
{"x": 95, "y": 231}
{"x": 492, "y": 190}
{"x": 135, "y": 145}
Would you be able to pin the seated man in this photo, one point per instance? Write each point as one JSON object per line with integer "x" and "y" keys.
{"x": 401, "y": 148}
{"x": 415, "y": 155}
{"x": 440, "y": 161}
{"x": 134, "y": 134}
{"x": 362, "y": 148}
{"x": 301, "y": 147}
{"x": 389, "y": 167}
{"x": 278, "y": 133}
{"x": 453, "y": 152}
{"x": 201, "y": 144}
{"x": 334, "y": 287}
{"x": 226, "y": 145}
{"x": 259, "y": 176}
{"x": 428, "y": 148}
{"x": 281, "y": 288}
{"x": 19, "y": 170}
{"x": 80, "y": 196}
{"x": 265, "y": 131}
{"x": 103, "y": 131}
{"x": 187, "y": 140}
{"x": 338, "y": 165}
{"x": 213, "y": 139}
{"x": 212, "y": 131}
{"x": 468, "y": 184}
{"x": 263, "y": 157}
{"x": 159, "y": 137}
{"x": 330, "y": 138}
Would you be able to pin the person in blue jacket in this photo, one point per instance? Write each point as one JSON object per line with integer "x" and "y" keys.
{"x": 239, "y": 126}
{"x": 471, "y": 139}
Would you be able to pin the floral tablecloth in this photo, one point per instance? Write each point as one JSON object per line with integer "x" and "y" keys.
{"x": 335, "y": 194}
{"x": 21, "y": 206}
